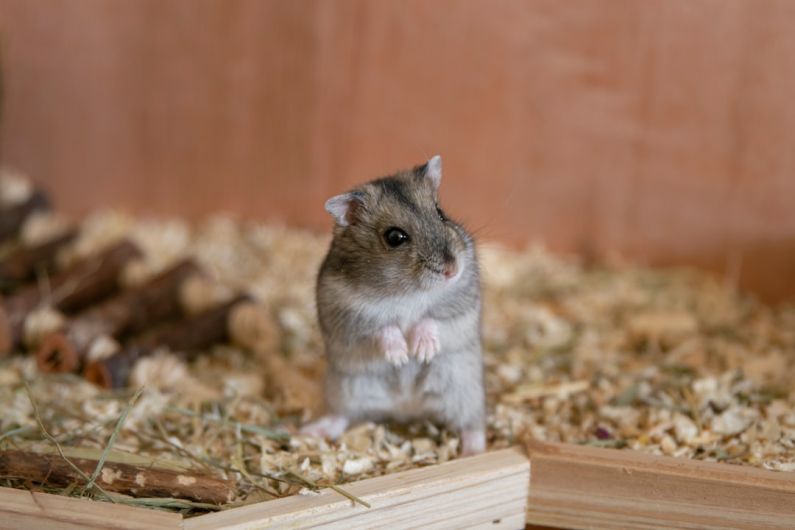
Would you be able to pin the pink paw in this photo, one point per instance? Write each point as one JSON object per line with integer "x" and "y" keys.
{"x": 472, "y": 442}
{"x": 394, "y": 345}
{"x": 330, "y": 427}
{"x": 425, "y": 340}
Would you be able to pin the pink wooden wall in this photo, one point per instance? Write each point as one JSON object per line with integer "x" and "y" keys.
{"x": 664, "y": 130}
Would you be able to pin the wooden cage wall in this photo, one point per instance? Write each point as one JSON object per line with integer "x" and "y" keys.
{"x": 661, "y": 130}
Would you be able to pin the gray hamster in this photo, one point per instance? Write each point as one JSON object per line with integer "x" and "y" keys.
{"x": 398, "y": 300}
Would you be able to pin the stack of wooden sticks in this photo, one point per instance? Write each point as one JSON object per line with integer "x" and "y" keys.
{"x": 105, "y": 325}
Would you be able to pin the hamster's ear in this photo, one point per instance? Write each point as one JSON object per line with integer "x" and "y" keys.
{"x": 343, "y": 207}
{"x": 432, "y": 169}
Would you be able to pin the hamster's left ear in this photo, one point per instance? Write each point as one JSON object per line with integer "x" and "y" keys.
{"x": 343, "y": 208}
{"x": 432, "y": 170}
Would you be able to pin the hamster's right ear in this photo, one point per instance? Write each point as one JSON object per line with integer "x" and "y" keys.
{"x": 431, "y": 170}
{"x": 343, "y": 208}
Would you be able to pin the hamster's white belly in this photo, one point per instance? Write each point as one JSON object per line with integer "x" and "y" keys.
{"x": 400, "y": 310}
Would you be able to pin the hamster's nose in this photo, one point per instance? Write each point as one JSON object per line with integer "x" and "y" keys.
{"x": 449, "y": 269}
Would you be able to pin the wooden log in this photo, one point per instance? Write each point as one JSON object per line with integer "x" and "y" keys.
{"x": 130, "y": 312}
{"x": 185, "y": 338}
{"x": 24, "y": 510}
{"x": 81, "y": 284}
{"x": 137, "y": 481}
{"x": 574, "y": 486}
{"x": 13, "y": 217}
{"x": 22, "y": 264}
{"x": 483, "y": 491}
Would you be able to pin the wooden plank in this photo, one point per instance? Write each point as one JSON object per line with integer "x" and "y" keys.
{"x": 572, "y": 487}
{"x": 661, "y": 130}
{"x": 576, "y": 487}
{"x": 20, "y": 509}
{"x": 484, "y": 490}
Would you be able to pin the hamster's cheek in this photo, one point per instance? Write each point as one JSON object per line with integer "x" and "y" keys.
{"x": 463, "y": 239}
{"x": 429, "y": 280}
{"x": 390, "y": 276}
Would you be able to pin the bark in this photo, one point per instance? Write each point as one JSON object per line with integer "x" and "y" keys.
{"x": 23, "y": 263}
{"x": 13, "y": 217}
{"x": 130, "y": 312}
{"x": 186, "y": 338}
{"x": 134, "y": 480}
{"x": 82, "y": 284}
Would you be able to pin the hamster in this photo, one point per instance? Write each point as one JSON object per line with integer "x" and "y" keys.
{"x": 398, "y": 299}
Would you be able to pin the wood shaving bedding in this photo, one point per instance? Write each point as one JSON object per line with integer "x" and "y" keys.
{"x": 666, "y": 361}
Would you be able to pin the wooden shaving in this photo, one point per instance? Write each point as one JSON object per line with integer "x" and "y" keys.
{"x": 41, "y": 322}
{"x": 102, "y": 347}
{"x": 15, "y": 187}
{"x": 41, "y": 227}
{"x": 198, "y": 294}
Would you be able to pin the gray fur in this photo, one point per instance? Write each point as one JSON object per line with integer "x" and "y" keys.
{"x": 364, "y": 286}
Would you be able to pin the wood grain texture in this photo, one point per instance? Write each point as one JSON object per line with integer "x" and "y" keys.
{"x": 23, "y": 510}
{"x": 163, "y": 106}
{"x": 570, "y": 486}
{"x": 661, "y": 130}
{"x": 583, "y": 487}
{"x": 487, "y": 490}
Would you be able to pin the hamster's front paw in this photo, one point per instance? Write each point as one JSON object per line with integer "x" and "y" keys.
{"x": 425, "y": 340}
{"x": 394, "y": 345}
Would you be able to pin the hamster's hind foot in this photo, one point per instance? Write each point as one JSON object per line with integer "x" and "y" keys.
{"x": 330, "y": 426}
{"x": 425, "y": 340}
{"x": 473, "y": 442}
{"x": 394, "y": 345}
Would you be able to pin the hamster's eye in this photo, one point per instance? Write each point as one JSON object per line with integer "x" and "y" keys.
{"x": 395, "y": 237}
{"x": 440, "y": 213}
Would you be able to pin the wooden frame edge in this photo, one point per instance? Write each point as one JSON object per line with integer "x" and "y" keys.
{"x": 561, "y": 485}
{"x": 579, "y": 487}
{"x": 484, "y": 490}
{"x": 23, "y": 510}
